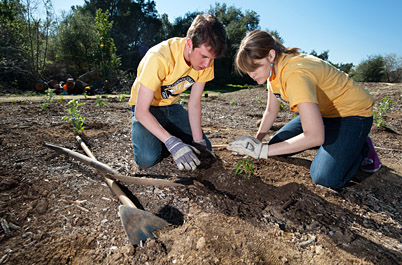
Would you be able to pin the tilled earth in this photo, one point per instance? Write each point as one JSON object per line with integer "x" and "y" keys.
{"x": 57, "y": 210}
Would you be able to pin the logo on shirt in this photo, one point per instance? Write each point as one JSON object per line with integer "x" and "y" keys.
{"x": 278, "y": 96}
{"x": 177, "y": 87}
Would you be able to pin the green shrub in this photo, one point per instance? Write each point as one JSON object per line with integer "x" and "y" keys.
{"x": 48, "y": 98}
{"x": 74, "y": 115}
{"x": 383, "y": 108}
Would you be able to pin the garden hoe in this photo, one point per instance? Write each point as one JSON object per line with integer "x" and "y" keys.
{"x": 111, "y": 173}
{"x": 138, "y": 224}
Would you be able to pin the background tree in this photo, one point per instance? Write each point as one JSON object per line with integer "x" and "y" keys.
{"x": 106, "y": 61}
{"x": 181, "y": 25}
{"x": 136, "y": 27}
{"x": 237, "y": 25}
{"x": 37, "y": 32}
{"x": 370, "y": 70}
{"x": 324, "y": 55}
{"x": 76, "y": 42}
{"x": 166, "y": 29}
{"x": 345, "y": 67}
{"x": 392, "y": 68}
{"x": 15, "y": 70}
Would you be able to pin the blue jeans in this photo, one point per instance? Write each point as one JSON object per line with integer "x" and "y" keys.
{"x": 344, "y": 148}
{"x": 149, "y": 150}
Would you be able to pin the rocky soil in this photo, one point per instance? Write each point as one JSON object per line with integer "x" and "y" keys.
{"x": 57, "y": 210}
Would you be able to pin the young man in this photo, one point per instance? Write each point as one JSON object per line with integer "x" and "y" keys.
{"x": 167, "y": 70}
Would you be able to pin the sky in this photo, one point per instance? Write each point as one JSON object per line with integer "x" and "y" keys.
{"x": 351, "y": 30}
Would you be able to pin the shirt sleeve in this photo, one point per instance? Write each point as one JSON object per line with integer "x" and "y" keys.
{"x": 152, "y": 71}
{"x": 301, "y": 87}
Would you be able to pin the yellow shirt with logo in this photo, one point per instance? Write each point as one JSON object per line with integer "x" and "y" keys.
{"x": 304, "y": 78}
{"x": 164, "y": 71}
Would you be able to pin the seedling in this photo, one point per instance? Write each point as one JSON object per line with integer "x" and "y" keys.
{"x": 100, "y": 102}
{"x": 74, "y": 115}
{"x": 122, "y": 97}
{"x": 48, "y": 98}
{"x": 281, "y": 106}
{"x": 182, "y": 99}
{"x": 232, "y": 102}
{"x": 60, "y": 99}
{"x": 245, "y": 166}
{"x": 383, "y": 108}
{"x": 205, "y": 96}
{"x": 259, "y": 100}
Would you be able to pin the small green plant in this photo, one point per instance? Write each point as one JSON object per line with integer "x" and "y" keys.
{"x": 281, "y": 106}
{"x": 205, "y": 96}
{"x": 122, "y": 97}
{"x": 182, "y": 99}
{"x": 259, "y": 100}
{"x": 219, "y": 94}
{"x": 100, "y": 102}
{"x": 48, "y": 98}
{"x": 74, "y": 115}
{"x": 232, "y": 102}
{"x": 245, "y": 166}
{"x": 383, "y": 108}
{"x": 60, "y": 99}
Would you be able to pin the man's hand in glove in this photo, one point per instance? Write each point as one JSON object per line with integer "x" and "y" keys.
{"x": 248, "y": 145}
{"x": 202, "y": 147}
{"x": 183, "y": 154}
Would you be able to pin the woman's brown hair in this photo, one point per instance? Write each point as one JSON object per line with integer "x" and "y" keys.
{"x": 256, "y": 45}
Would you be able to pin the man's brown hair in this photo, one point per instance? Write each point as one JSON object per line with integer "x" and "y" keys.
{"x": 207, "y": 29}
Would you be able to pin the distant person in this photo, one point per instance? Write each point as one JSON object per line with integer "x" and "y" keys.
{"x": 68, "y": 87}
{"x": 335, "y": 113}
{"x": 159, "y": 123}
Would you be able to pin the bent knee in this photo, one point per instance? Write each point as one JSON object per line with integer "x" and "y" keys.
{"x": 145, "y": 162}
{"x": 327, "y": 180}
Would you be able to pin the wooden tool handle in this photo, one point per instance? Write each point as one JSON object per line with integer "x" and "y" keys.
{"x": 111, "y": 183}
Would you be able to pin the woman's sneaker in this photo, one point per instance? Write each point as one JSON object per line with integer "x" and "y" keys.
{"x": 372, "y": 162}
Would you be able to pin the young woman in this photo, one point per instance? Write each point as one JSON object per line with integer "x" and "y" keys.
{"x": 335, "y": 113}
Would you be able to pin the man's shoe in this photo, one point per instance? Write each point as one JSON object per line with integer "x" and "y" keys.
{"x": 372, "y": 162}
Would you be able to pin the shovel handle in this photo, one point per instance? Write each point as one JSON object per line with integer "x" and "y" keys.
{"x": 111, "y": 183}
{"x": 225, "y": 145}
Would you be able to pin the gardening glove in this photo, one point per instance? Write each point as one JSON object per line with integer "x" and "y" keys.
{"x": 203, "y": 148}
{"x": 183, "y": 154}
{"x": 248, "y": 145}
{"x": 200, "y": 145}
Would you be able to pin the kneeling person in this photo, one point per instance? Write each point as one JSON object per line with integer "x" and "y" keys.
{"x": 167, "y": 70}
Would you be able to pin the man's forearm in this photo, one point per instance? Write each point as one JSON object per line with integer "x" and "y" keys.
{"x": 152, "y": 125}
{"x": 194, "y": 115}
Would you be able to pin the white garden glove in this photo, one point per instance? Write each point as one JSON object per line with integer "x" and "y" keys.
{"x": 248, "y": 145}
{"x": 183, "y": 154}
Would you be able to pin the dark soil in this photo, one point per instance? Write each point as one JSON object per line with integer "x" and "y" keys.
{"x": 57, "y": 210}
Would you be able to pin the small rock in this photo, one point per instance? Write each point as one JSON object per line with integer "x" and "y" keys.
{"x": 41, "y": 207}
{"x": 27, "y": 234}
{"x": 201, "y": 243}
{"x": 318, "y": 249}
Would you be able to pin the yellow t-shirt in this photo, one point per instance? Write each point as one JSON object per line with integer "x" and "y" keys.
{"x": 304, "y": 78}
{"x": 164, "y": 71}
